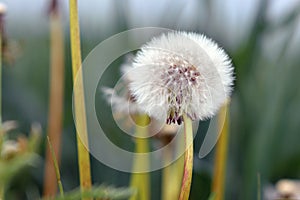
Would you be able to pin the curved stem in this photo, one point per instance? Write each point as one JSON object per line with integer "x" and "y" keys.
{"x": 188, "y": 159}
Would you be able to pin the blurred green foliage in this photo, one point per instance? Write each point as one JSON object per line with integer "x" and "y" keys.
{"x": 97, "y": 192}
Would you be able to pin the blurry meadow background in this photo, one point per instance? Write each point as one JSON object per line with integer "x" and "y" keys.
{"x": 261, "y": 36}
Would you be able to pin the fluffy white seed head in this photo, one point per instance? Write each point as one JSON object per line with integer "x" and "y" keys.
{"x": 179, "y": 73}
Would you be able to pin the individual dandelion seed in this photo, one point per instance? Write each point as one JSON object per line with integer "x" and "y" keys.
{"x": 181, "y": 73}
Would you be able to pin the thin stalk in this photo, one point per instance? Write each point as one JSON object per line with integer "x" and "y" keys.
{"x": 188, "y": 159}
{"x": 171, "y": 176}
{"x": 141, "y": 181}
{"x": 80, "y": 114}
{"x": 221, "y": 155}
{"x": 2, "y": 41}
{"x": 2, "y": 191}
{"x": 1, "y": 30}
{"x": 258, "y": 187}
{"x": 57, "y": 173}
{"x": 56, "y": 98}
{"x": 167, "y": 176}
{"x": 212, "y": 196}
{"x": 1, "y": 77}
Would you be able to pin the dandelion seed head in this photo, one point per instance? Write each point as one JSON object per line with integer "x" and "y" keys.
{"x": 179, "y": 73}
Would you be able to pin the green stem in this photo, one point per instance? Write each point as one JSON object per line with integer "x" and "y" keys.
{"x": 188, "y": 159}
{"x": 57, "y": 173}
{"x": 221, "y": 155}
{"x": 171, "y": 175}
{"x": 1, "y": 191}
{"x": 141, "y": 181}
{"x": 80, "y": 114}
{"x": 166, "y": 175}
{"x": 258, "y": 187}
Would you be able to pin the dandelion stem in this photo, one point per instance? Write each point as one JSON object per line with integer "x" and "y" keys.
{"x": 56, "y": 97}
{"x": 221, "y": 155}
{"x": 83, "y": 154}
{"x": 188, "y": 159}
{"x": 57, "y": 173}
{"x": 141, "y": 181}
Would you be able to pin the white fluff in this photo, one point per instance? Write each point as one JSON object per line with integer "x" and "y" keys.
{"x": 179, "y": 73}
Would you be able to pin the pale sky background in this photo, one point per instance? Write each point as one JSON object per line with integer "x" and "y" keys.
{"x": 234, "y": 18}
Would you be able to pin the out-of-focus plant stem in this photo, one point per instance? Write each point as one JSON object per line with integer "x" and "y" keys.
{"x": 221, "y": 155}
{"x": 188, "y": 159}
{"x": 55, "y": 163}
{"x": 1, "y": 191}
{"x": 1, "y": 35}
{"x": 172, "y": 172}
{"x": 258, "y": 187}
{"x": 167, "y": 185}
{"x": 171, "y": 175}
{"x": 56, "y": 98}
{"x": 1, "y": 44}
{"x": 141, "y": 181}
{"x": 0, "y": 77}
{"x": 80, "y": 114}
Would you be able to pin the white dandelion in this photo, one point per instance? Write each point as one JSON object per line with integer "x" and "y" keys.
{"x": 180, "y": 73}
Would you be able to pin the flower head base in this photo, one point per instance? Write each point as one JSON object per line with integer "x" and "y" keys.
{"x": 181, "y": 73}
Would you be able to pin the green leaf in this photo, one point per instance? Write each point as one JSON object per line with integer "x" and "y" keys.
{"x": 212, "y": 196}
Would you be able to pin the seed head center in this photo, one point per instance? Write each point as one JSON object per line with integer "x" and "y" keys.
{"x": 179, "y": 78}
{"x": 182, "y": 75}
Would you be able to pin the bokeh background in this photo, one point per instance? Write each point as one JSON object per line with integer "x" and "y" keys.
{"x": 261, "y": 36}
